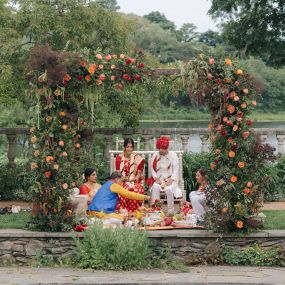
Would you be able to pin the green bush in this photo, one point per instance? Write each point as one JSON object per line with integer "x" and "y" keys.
{"x": 15, "y": 182}
{"x": 253, "y": 256}
{"x": 191, "y": 163}
{"x": 113, "y": 249}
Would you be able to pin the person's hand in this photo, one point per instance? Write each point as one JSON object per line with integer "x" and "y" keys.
{"x": 158, "y": 181}
{"x": 146, "y": 197}
{"x": 169, "y": 182}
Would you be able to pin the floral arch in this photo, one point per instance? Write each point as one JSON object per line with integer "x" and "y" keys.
{"x": 64, "y": 84}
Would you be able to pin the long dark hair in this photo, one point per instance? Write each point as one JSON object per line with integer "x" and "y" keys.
{"x": 129, "y": 140}
{"x": 88, "y": 172}
{"x": 203, "y": 173}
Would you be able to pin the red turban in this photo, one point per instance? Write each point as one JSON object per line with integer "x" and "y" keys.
{"x": 162, "y": 142}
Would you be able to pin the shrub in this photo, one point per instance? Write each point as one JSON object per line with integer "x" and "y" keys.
{"x": 254, "y": 256}
{"x": 15, "y": 181}
{"x": 113, "y": 249}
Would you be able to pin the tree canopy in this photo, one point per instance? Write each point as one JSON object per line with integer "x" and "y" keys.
{"x": 254, "y": 27}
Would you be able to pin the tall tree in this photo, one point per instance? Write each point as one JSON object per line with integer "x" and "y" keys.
{"x": 255, "y": 27}
{"x": 188, "y": 33}
{"x": 161, "y": 20}
{"x": 109, "y": 5}
{"x": 211, "y": 38}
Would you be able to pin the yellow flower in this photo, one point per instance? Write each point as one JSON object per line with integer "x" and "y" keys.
{"x": 228, "y": 62}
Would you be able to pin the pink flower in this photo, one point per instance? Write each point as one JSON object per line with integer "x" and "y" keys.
{"x": 210, "y": 76}
{"x": 211, "y": 60}
{"x": 102, "y": 76}
{"x": 108, "y": 57}
{"x": 235, "y": 128}
{"x": 122, "y": 56}
{"x": 99, "y": 56}
{"x": 141, "y": 65}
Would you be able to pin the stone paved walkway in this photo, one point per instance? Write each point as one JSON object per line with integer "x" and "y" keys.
{"x": 215, "y": 275}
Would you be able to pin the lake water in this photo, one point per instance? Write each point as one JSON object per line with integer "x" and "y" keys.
{"x": 194, "y": 143}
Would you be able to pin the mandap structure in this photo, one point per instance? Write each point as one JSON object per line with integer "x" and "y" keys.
{"x": 64, "y": 88}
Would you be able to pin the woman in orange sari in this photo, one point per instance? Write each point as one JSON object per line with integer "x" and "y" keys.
{"x": 131, "y": 166}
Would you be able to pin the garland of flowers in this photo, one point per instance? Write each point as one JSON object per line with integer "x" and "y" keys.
{"x": 64, "y": 84}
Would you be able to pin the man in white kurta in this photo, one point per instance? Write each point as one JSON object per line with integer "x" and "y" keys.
{"x": 165, "y": 174}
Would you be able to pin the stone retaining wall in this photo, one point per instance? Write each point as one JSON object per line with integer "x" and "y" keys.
{"x": 18, "y": 246}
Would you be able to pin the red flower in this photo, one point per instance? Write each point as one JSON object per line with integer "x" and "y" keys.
{"x": 248, "y": 122}
{"x": 79, "y": 77}
{"x": 138, "y": 77}
{"x": 120, "y": 87}
{"x": 235, "y": 146}
{"x": 125, "y": 76}
{"x": 141, "y": 65}
{"x": 129, "y": 61}
{"x": 223, "y": 133}
{"x": 218, "y": 81}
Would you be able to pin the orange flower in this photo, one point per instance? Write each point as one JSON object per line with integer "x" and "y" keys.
{"x": 32, "y": 130}
{"x": 246, "y": 191}
{"x": 33, "y": 139}
{"x": 34, "y": 165}
{"x": 232, "y": 154}
{"x": 64, "y": 154}
{"x": 245, "y": 134}
{"x": 57, "y": 92}
{"x": 99, "y": 56}
{"x": 113, "y": 66}
{"x": 210, "y": 126}
{"x": 47, "y": 174}
{"x": 48, "y": 119}
{"x": 64, "y": 127}
{"x": 61, "y": 143}
{"x": 225, "y": 119}
{"x": 36, "y": 153}
{"x": 239, "y": 224}
{"x": 235, "y": 128}
{"x": 228, "y": 80}
{"x": 67, "y": 77}
{"x": 92, "y": 68}
{"x": 245, "y": 91}
{"x": 62, "y": 114}
{"x": 236, "y": 98}
{"x": 231, "y": 109}
{"x": 49, "y": 159}
{"x": 233, "y": 94}
{"x": 253, "y": 103}
{"x": 87, "y": 78}
{"x": 218, "y": 151}
{"x": 228, "y": 62}
{"x": 243, "y": 105}
{"x": 225, "y": 210}
{"x": 113, "y": 77}
{"x": 239, "y": 72}
{"x": 233, "y": 179}
{"x": 220, "y": 182}
{"x": 77, "y": 145}
{"x": 241, "y": 164}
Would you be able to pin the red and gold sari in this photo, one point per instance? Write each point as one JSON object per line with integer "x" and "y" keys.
{"x": 131, "y": 168}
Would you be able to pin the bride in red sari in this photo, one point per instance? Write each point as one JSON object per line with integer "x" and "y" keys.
{"x": 131, "y": 166}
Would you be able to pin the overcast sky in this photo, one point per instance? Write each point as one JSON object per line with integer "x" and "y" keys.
{"x": 178, "y": 11}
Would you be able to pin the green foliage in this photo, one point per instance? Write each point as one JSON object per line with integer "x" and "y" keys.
{"x": 192, "y": 163}
{"x": 15, "y": 182}
{"x": 255, "y": 27}
{"x": 109, "y": 5}
{"x": 161, "y": 20}
{"x": 252, "y": 256}
{"x": 113, "y": 249}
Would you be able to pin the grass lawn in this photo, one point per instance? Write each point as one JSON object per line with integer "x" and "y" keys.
{"x": 14, "y": 221}
{"x": 274, "y": 220}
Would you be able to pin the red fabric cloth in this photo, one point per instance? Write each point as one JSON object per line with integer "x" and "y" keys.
{"x": 84, "y": 190}
{"x": 162, "y": 142}
{"x": 124, "y": 203}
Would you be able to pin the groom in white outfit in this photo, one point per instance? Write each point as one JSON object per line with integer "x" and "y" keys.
{"x": 165, "y": 174}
